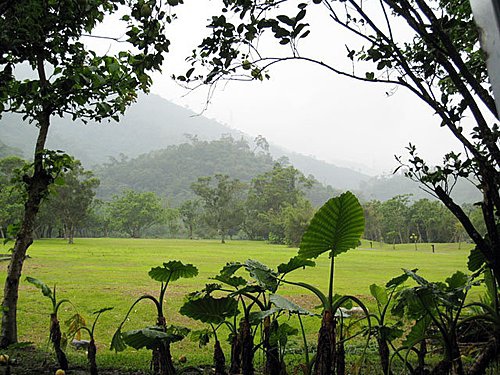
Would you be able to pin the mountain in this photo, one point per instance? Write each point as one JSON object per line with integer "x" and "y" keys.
{"x": 153, "y": 123}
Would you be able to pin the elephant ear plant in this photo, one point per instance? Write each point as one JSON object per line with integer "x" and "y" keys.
{"x": 335, "y": 228}
{"x": 213, "y": 311}
{"x": 55, "y": 327}
{"x": 92, "y": 349}
{"x": 159, "y": 337}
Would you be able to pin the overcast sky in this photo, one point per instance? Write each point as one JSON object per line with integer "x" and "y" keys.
{"x": 308, "y": 109}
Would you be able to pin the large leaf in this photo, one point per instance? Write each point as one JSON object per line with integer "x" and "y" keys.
{"x": 264, "y": 276}
{"x": 476, "y": 260}
{"x": 336, "y": 227}
{"x": 230, "y": 268}
{"x": 173, "y": 270}
{"x": 234, "y": 281}
{"x": 144, "y": 338}
{"x": 293, "y": 264}
{"x": 258, "y": 316}
{"x": 41, "y": 285}
{"x": 151, "y": 337}
{"x": 117, "y": 342}
{"x": 418, "y": 332}
{"x": 286, "y": 305}
{"x": 209, "y": 309}
{"x": 379, "y": 293}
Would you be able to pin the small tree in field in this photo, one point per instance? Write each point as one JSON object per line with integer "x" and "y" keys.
{"x": 222, "y": 201}
{"x": 69, "y": 80}
{"x": 132, "y": 212}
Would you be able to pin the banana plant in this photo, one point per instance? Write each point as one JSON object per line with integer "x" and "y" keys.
{"x": 384, "y": 332}
{"x": 335, "y": 228}
{"x": 248, "y": 295}
{"x": 483, "y": 320}
{"x": 436, "y": 307}
{"x": 215, "y": 312}
{"x": 159, "y": 337}
{"x": 55, "y": 328}
{"x": 92, "y": 349}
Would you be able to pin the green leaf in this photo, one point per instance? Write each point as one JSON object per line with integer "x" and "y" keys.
{"x": 457, "y": 280}
{"x": 230, "y": 268}
{"x": 234, "y": 281}
{"x": 337, "y": 227}
{"x": 379, "y": 293}
{"x": 258, "y": 316}
{"x": 397, "y": 281}
{"x": 476, "y": 260}
{"x": 117, "y": 342}
{"x": 172, "y": 271}
{"x": 418, "y": 332}
{"x": 144, "y": 338}
{"x": 41, "y": 285}
{"x": 286, "y": 305}
{"x": 264, "y": 276}
{"x": 209, "y": 309}
{"x": 293, "y": 264}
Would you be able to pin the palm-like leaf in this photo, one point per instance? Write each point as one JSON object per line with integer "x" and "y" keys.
{"x": 265, "y": 277}
{"x": 46, "y": 291}
{"x": 284, "y": 304}
{"x": 173, "y": 270}
{"x": 144, "y": 338}
{"x": 336, "y": 227}
{"x": 209, "y": 309}
{"x": 294, "y": 264}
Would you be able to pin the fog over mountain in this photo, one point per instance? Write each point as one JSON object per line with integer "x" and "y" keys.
{"x": 154, "y": 123}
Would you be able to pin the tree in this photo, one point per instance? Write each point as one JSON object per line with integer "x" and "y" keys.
{"x": 190, "y": 214}
{"x": 434, "y": 54}
{"x": 222, "y": 202}
{"x": 296, "y": 220}
{"x": 71, "y": 201}
{"x": 11, "y": 197}
{"x": 132, "y": 211}
{"x": 268, "y": 195}
{"x": 395, "y": 217}
{"x": 71, "y": 80}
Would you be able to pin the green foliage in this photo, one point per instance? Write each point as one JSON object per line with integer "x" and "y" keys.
{"x": 270, "y": 194}
{"x": 133, "y": 212}
{"x": 70, "y": 201}
{"x": 209, "y": 309}
{"x": 222, "y": 202}
{"x": 172, "y": 271}
{"x": 336, "y": 227}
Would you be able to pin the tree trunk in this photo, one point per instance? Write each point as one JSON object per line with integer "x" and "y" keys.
{"x": 37, "y": 188}
{"x": 55, "y": 337}
{"x": 383, "y": 351}
{"x": 219, "y": 359}
{"x": 273, "y": 364}
{"x": 91, "y": 356}
{"x": 246, "y": 347}
{"x": 162, "y": 358}
{"x": 235, "y": 354}
{"x": 71, "y": 234}
{"x": 325, "y": 357}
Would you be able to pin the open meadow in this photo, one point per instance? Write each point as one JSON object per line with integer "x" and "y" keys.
{"x": 98, "y": 273}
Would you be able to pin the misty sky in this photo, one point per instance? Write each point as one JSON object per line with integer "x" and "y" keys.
{"x": 308, "y": 109}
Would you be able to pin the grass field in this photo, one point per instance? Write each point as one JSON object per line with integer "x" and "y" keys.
{"x": 97, "y": 273}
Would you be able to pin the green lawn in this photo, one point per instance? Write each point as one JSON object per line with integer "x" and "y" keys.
{"x": 97, "y": 273}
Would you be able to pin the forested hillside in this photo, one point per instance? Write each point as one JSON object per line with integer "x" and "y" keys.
{"x": 171, "y": 171}
{"x": 151, "y": 124}
{"x": 167, "y": 125}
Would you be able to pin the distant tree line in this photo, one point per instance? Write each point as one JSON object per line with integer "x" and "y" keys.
{"x": 273, "y": 207}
